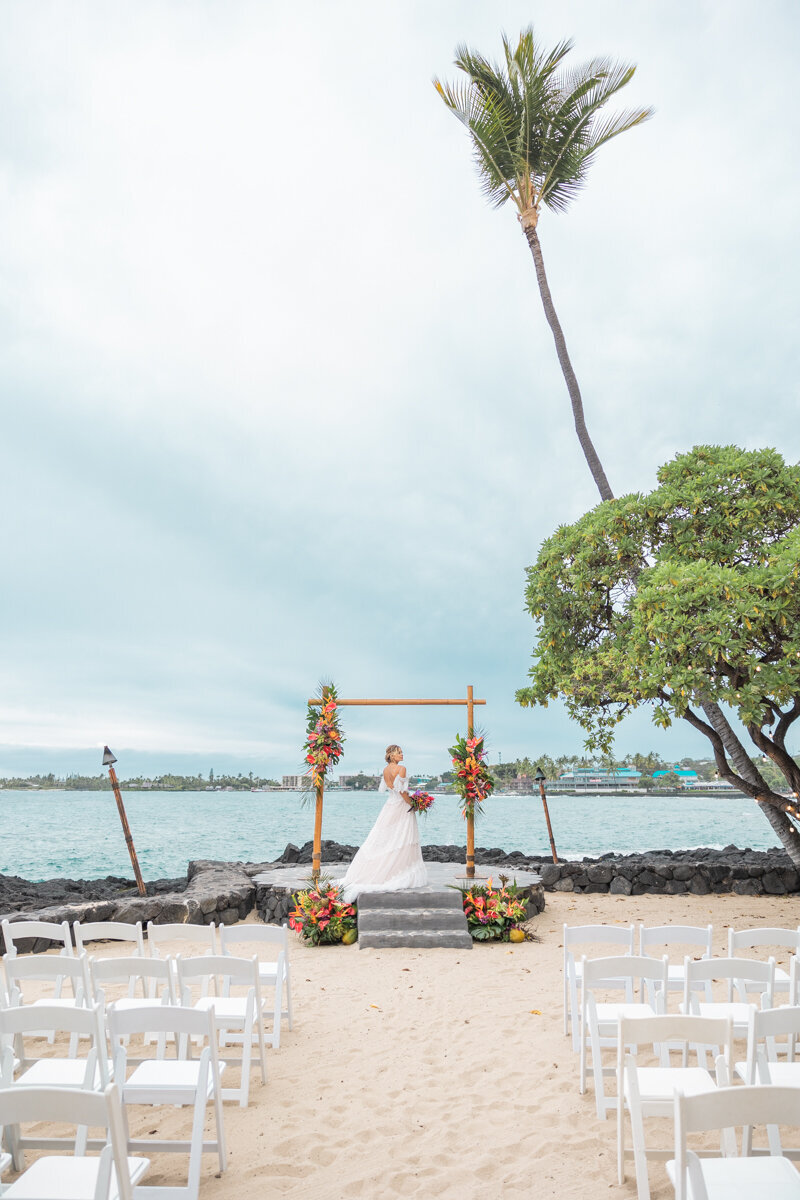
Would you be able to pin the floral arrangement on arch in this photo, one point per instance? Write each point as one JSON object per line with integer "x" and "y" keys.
{"x": 493, "y": 912}
{"x": 321, "y": 916}
{"x": 324, "y": 737}
{"x": 473, "y": 781}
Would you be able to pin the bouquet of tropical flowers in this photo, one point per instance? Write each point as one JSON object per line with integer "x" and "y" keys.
{"x": 321, "y": 916}
{"x": 492, "y": 912}
{"x": 323, "y": 745}
{"x": 473, "y": 781}
{"x": 421, "y": 802}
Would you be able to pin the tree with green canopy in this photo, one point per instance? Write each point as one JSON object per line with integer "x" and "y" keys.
{"x": 536, "y": 127}
{"x": 685, "y": 600}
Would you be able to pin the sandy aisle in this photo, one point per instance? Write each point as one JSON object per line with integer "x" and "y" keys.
{"x": 425, "y": 1073}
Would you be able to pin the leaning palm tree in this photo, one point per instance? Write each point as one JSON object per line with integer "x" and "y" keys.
{"x": 536, "y": 128}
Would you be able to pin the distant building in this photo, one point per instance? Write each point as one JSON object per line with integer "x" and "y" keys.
{"x": 688, "y": 778}
{"x": 594, "y": 777}
{"x": 294, "y": 783}
{"x": 359, "y": 782}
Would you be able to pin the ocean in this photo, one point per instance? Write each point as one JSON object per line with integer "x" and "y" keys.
{"x": 78, "y": 834}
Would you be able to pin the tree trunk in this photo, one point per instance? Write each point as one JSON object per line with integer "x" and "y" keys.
{"x": 782, "y": 825}
{"x": 528, "y": 221}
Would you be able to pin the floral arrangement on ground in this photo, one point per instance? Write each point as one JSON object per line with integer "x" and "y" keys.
{"x": 323, "y": 745}
{"x": 493, "y": 914}
{"x": 473, "y": 781}
{"x": 322, "y": 917}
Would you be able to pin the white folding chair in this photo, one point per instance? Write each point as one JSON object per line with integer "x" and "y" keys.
{"x": 599, "y": 1020}
{"x": 751, "y": 939}
{"x": 731, "y": 1176}
{"x": 25, "y": 972}
{"x": 203, "y": 937}
{"x": 22, "y": 1068}
{"x": 236, "y": 1017}
{"x": 583, "y": 935}
{"x": 273, "y": 971}
{"x": 111, "y": 1176}
{"x": 151, "y": 978}
{"x": 109, "y": 931}
{"x": 55, "y": 932}
{"x": 738, "y": 973}
{"x": 182, "y": 1080}
{"x": 765, "y": 1063}
{"x": 16, "y": 932}
{"x": 649, "y": 1091}
{"x": 661, "y": 936}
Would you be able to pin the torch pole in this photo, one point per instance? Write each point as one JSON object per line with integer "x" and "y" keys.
{"x": 547, "y": 818}
{"x": 126, "y": 829}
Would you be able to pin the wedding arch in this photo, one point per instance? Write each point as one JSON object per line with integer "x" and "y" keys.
{"x": 319, "y": 784}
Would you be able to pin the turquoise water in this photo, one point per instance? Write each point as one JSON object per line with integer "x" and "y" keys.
{"x": 78, "y": 834}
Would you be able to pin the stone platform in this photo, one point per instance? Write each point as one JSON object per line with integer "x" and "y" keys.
{"x": 422, "y": 917}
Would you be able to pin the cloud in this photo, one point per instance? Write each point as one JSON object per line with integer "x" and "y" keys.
{"x": 280, "y": 400}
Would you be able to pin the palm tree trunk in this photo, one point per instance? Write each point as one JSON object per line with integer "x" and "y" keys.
{"x": 590, "y": 454}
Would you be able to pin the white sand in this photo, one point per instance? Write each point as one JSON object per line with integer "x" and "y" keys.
{"x": 426, "y": 1073}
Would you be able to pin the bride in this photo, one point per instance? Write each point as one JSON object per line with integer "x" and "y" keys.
{"x": 390, "y": 858}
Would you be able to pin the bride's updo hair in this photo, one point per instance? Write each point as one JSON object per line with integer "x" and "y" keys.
{"x": 390, "y": 750}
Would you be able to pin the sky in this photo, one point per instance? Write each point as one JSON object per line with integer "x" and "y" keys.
{"x": 279, "y": 401}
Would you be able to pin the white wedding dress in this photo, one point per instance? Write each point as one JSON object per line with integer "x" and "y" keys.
{"x": 390, "y": 858}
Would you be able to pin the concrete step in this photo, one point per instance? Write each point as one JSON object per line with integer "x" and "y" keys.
{"x": 410, "y": 918}
{"x": 412, "y": 898}
{"x": 417, "y": 939}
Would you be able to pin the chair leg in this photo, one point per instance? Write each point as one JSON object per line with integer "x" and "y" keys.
{"x": 620, "y": 1136}
{"x": 574, "y": 1013}
{"x": 277, "y": 1014}
{"x": 261, "y": 1049}
{"x": 288, "y": 981}
{"x": 247, "y": 1052}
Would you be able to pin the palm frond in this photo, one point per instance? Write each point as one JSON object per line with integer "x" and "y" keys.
{"x": 534, "y": 123}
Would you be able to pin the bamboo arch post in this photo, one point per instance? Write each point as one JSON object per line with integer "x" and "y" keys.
{"x": 470, "y": 703}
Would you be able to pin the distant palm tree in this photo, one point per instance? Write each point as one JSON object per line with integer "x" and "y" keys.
{"x": 535, "y": 129}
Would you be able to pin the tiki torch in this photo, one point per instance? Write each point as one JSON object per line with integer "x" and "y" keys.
{"x": 108, "y": 761}
{"x": 540, "y": 778}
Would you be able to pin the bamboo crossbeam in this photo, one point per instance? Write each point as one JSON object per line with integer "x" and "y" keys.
{"x": 469, "y": 701}
{"x": 339, "y": 703}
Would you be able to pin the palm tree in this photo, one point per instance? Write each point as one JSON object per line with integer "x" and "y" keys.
{"x": 536, "y": 128}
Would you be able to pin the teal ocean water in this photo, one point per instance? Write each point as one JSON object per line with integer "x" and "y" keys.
{"x": 78, "y": 834}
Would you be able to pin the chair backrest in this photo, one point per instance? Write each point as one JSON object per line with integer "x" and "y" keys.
{"x": 185, "y": 1024}
{"x": 766, "y": 1026}
{"x": 154, "y": 974}
{"x": 41, "y": 1020}
{"x": 200, "y": 935}
{"x": 676, "y": 935}
{"x": 676, "y": 1031}
{"x": 257, "y": 936}
{"x": 108, "y": 931}
{"x": 738, "y": 971}
{"x": 727, "y": 1107}
{"x": 46, "y": 967}
{"x": 223, "y": 971}
{"x": 610, "y": 973}
{"x": 33, "y": 931}
{"x": 600, "y": 935}
{"x": 79, "y": 1107}
{"x": 749, "y": 939}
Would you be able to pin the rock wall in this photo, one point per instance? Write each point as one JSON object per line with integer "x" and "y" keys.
{"x": 666, "y": 872}
{"x": 213, "y": 892}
